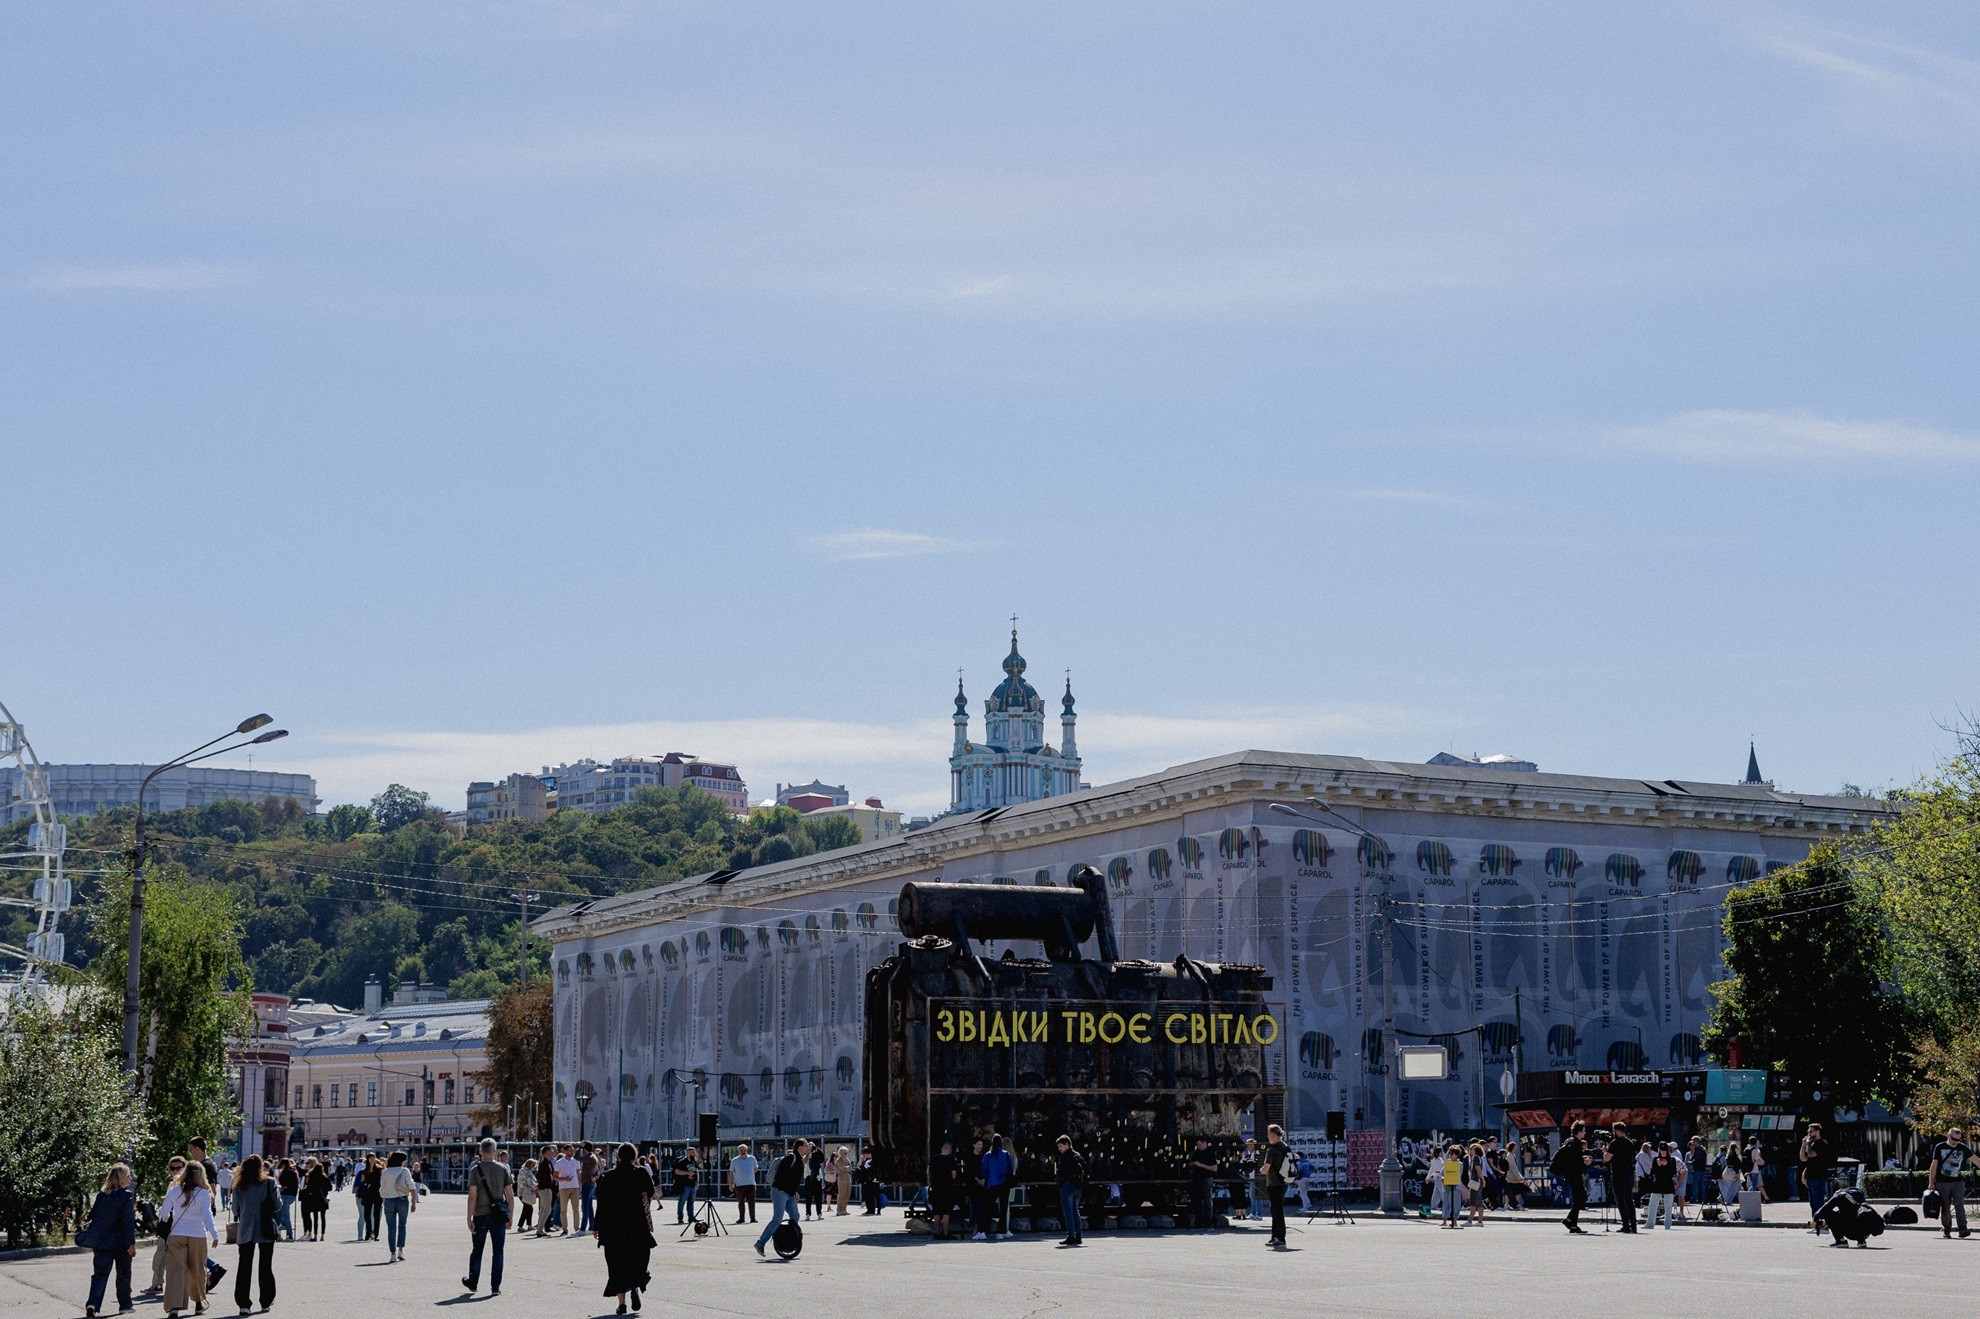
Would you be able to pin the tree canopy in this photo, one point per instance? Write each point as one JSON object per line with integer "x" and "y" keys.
{"x": 393, "y": 890}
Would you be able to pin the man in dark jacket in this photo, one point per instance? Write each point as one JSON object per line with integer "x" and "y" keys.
{"x": 1070, "y": 1165}
{"x": 1622, "y": 1176}
{"x": 1570, "y": 1164}
{"x": 786, "y": 1180}
{"x": 1202, "y": 1186}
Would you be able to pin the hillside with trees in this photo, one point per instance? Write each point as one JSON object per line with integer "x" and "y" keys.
{"x": 392, "y": 890}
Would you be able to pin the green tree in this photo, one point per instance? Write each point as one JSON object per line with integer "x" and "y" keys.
{"x": 398, "y": 806}
{"x": 1947, "y": 1092}
{"x": 1924, "y": 866}
{"x": 520, "y": 1055}
{"x": 65, "y": 1108}
{"x": 347, "y": 821}
{"x": 1806, "y": 994}
{"x": 193, "y": 990}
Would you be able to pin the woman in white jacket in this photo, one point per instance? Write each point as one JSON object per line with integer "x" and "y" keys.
{"x": 188, "y": 1207}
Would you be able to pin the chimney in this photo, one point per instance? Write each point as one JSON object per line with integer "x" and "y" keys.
{"x": 874, "y": 802}
{"x": 374, "y": 996}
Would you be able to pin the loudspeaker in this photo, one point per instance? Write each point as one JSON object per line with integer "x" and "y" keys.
{"x": 708, "y": 1141}
{"x": 1336, "y": 1124}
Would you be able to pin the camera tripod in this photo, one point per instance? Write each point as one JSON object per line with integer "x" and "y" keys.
{"x": 705, "y": 1220}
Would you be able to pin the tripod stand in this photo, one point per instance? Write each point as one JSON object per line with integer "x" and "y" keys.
{"x": 1331, "y": 1200}
{"x": 705, "y": 1220}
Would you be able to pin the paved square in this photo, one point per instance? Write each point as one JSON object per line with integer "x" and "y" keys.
{"x": 868, "y": 1266}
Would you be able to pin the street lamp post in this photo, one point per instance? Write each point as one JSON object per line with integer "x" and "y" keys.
{"x": 1391, "y": 1171}
{"x": 135, "y": 949}
{"x": 583, "y": 1103}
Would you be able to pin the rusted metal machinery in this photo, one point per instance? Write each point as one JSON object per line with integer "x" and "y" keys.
{"x": 1132, "y": 1059}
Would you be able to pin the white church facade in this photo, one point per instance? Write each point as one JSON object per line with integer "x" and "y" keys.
{"x": 1013, "y": 763}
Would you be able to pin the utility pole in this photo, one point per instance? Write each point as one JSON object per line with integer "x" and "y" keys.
{"x": 523, "y": 897}
{"x": 1391, "y": 1175}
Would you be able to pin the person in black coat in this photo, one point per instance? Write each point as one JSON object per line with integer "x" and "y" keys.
{"x": 111, "y": 1235}
{"x": 257, "y": 1214}
{"x": 1570, "y": 1164}
{"x": 622, "y": 1222}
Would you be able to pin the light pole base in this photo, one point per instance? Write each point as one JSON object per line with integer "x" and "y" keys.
{"x": 1392, "y": 1194}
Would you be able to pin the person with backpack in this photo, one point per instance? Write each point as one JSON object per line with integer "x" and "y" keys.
{"x": 397, "y": 1197}
{"x": 111, "y": 1236}
{"x": 1276, "y": 1165}
{"x": 491, "y": 1197}
{"x": 255, "y": 1217}
{"x": 174, "y": 1169}
{"x": 997, "y": 1169}
{"x": 1069, "y": 1165}
{"x": 786, "y": 1179}
{"x": 1570, "y": 1164}
{"x": 1950, "y": 1160}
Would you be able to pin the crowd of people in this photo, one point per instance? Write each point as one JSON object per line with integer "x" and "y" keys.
{"x": 608, "y": 1194}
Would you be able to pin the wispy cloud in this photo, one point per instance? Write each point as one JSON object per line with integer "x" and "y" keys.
{"x": 143, "y": 278}
{"x": 1720, "y": 436}
{"x": 1889, "y": 87}
{"x": 878, "y": 543}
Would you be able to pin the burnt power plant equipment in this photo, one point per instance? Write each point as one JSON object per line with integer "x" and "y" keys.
{"x": 1133, "y": 1059}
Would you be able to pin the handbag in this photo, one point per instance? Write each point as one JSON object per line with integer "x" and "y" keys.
{"x": 1930, "y": 1204}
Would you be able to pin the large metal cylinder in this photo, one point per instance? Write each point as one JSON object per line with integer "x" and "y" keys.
{"x": 995, "y": 911}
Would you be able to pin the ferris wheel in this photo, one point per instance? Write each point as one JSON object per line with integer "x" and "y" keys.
{"x": 24, "y": 795}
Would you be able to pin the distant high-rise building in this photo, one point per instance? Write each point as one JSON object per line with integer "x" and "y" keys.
{"x": 87, "y": 789}
{"x": 518, "y": 797}
{"x": 588, "y": 785}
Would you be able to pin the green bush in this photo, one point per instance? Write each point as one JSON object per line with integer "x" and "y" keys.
{"x": 1906, "y": 1185}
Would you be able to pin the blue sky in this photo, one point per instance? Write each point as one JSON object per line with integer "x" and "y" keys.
{"x": 475, "y": 386}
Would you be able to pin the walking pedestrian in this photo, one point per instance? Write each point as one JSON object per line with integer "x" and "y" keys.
{"x": 175, "y": 1168}
{"x": 1514, "y": 1171}
{"x": 1451, "y": 1178}
{"x": 1947, "y": 1175}
{"x": 566, "y": 1168}
{"x": 546, "y": 1190}
{"x": 526, "y": 1193}
{"x": 1433, "y": 1178}
{"x": 589, "y": 1166}
{"x": 943, "y": 1171}
{"x": 491, "y": 1198}
{"x": 1474, "y": 1184}
{"x": 1622, "y": 1176}
{"x": 742, "y": 1183}
{"x": 814, "y": 1184}
{"x": 1664, "y": 1179}
{"x": 1570, "y": 1164}
{"x": 364, "y": 1190}
{"x": 842, "y": 1178}
{"x": 1731, "y": 1161}
{"x": 1069, "y": 1168}
{"x": 111, "y": 1235}
{"x": 255, "y": 1217}
{"x": 786, "y": 1176}
{"x": 999, "y": 1166}
{"x": 288, "y": 1183}
{"x": 398, "y": 1198}
{"x": 1756, "y": 1174}
{"x": 687, "y": 1173}
{"x": 196, "y": 1153}
{"x": 622, "y": 1222}
{"x": 1202, "y": 1169}
{"x": 1276, "y": 1165}
{"x": 188, "y": 1207}
{"x": 316, "y": 1201}
{"x": 1817, "y": 1163}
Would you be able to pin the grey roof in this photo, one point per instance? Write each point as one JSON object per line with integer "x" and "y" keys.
{"x": 418, "y": 1026}
{"x": 1280, "y": 770}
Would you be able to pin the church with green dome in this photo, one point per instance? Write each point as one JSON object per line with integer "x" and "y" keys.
{"x": 1013, "y": 763}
